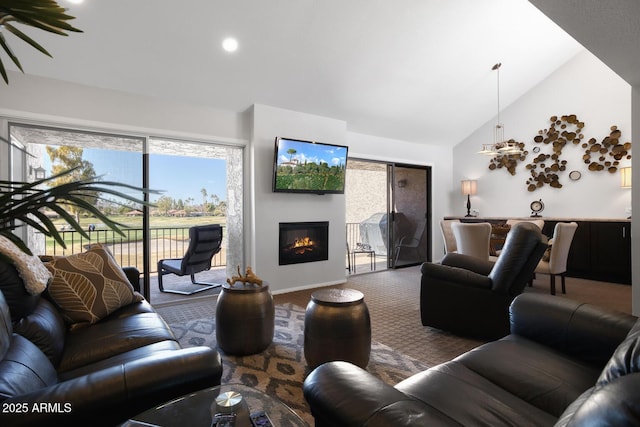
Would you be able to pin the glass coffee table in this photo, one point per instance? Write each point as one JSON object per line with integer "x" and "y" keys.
{"x": 197, "y": 409}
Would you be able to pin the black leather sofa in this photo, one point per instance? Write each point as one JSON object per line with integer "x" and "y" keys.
{"x": 101, "y": 374}
{"x": 564, "y": 363}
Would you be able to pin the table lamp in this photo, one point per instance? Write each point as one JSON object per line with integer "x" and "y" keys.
{"x": 469, "y": 188}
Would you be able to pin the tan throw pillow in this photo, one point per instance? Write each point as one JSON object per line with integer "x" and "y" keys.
{"x": 547, "y": 254}
{"x": 34, "y": 275}
{"x": 89, "y": 286}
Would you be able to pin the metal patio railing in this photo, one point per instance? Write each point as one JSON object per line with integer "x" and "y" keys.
{"x": 165, "y": 242}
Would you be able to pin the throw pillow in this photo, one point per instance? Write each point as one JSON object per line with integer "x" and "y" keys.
{"x": 547, "y": 254}
{"x": 89, "y": 286}
{"x": 34, "y": 275}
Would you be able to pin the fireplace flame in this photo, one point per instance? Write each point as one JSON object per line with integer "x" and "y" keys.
{"x": 302, "y": 245}
{"x": 303, "y": 242}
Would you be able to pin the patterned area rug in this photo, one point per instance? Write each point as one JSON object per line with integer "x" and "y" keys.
{"x": 281, "y": 369}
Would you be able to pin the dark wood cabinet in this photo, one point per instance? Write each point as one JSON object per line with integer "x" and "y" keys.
{"x": 600, "y": 250}
{"x": 611, "y": 251}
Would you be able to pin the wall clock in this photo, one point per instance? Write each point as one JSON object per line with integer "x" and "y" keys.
{"x": 536, "y": 207}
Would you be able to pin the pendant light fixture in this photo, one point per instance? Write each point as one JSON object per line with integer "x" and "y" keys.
{"x": 500, "y": 147}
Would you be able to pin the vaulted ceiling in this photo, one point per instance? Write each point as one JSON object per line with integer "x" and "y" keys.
{"x": 608, "y": 29}
{"x": 415, "y": 70}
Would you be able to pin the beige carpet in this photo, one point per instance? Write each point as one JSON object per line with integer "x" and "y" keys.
{"x": 393, "y": 300}
{"x": 281, "y": 369}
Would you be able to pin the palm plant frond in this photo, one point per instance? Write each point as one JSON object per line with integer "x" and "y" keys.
{"x": 24, "y": 202}
{"x": 45, "y": 15}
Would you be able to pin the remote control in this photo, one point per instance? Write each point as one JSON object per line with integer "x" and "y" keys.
{"x": 224, "y": 420}
{"x": 260, "y": 419}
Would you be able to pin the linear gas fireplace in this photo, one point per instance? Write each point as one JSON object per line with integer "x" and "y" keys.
{"x": 303, "y": 242}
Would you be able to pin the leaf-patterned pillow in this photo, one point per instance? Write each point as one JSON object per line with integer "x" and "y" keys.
{"x": 89, "y": 286}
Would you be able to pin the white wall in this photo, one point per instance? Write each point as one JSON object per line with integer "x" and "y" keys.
{"x": 585, "y": 87}
{"x": 269, "y": 208}
{"x": 72, "y": 104}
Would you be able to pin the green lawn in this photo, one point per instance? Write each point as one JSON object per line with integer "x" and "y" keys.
{"x": 156, "y": 221}
{"x": 133, "y": 229}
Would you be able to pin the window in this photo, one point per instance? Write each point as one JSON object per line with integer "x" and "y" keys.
{"x": 203, "y": 183}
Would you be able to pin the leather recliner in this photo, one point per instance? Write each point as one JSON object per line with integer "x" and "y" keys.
{"x": 101, "y": 374}
{"x": 471, "y": 296}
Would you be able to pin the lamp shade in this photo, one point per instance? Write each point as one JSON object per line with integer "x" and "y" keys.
{"x": 625, "y": 177}
{"x": 469, "y": 187}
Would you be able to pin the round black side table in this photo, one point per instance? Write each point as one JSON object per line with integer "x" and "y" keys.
{"x": 244, "y": 318}
{"x": 337, "y": 326}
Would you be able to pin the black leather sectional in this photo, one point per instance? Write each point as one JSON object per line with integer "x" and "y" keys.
{"x": 564, "y": 363}
{"x": 97, "y": 375}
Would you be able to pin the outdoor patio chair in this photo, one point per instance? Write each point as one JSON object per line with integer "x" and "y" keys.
{"x": 412, "y": 242}
{"x": 204, "y": 242}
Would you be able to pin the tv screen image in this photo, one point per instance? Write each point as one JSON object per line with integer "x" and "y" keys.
{"x": 309, "y": 167}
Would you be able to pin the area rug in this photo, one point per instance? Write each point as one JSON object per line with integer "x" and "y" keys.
{"x": 281, "y": 369}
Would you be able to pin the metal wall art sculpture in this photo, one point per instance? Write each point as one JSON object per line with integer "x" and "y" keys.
{"x": 509, "y": 161}
{"x": 547, "y": 168}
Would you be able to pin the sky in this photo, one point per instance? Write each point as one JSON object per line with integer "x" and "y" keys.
{"x": 179, "y": 177}
{"x": 314, "y": 153}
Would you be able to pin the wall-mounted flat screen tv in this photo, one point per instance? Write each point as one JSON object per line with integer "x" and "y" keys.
{"x": 309, "y": 167}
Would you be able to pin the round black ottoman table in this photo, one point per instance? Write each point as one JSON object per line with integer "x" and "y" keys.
{"x": 244, "y": 318}
{"x": 337, "y": 326}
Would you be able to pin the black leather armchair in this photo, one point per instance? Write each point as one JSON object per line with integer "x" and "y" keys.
{"x": 470, "y": 296}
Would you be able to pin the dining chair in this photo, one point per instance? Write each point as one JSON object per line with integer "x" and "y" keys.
{"x": 472, "y": 238}
{"x": 447, "y": 235}
{"x": 538, "y": 222}
{"x": 204, "y": 242}
{"x": 556, "y": 262}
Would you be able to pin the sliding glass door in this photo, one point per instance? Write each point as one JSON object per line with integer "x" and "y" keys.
{"x": 388, "y": 215}
{"x": 200, "y": 182}
{"x": 409, "y": 189}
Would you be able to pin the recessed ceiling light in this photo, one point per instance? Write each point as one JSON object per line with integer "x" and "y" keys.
{"x": 75, "y": 1}
{"x": 230, "y": 44}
